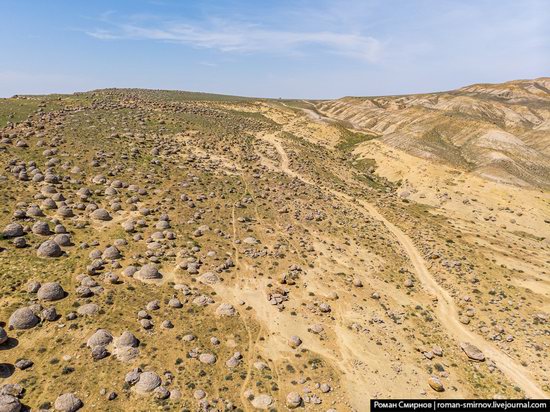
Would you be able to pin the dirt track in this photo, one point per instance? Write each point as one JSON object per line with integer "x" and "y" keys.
{"x": 447, "y": 311}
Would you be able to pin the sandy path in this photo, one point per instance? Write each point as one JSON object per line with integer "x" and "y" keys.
{"x": 447, "y": 311}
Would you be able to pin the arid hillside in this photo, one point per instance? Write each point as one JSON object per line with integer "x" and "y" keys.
{"x": 178, "y": 251}
{"x": 499, "y": 131}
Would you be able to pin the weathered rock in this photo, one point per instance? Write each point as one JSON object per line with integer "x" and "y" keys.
{"x": 13, "y": 230}
{"x": 262, "y": 401}
{"x": 209, "y": 278}
{"x": 207, "y": 358}
{"x": 23, "y": 364}
{"x": 226, "y": 309}
{"x": 294, "y": 342}
{"x": 13, "y": 389}
{"x": 436, "y": 384}
{"x": 111, "y": 253}
{"x": 41, "y": 228}
{"x": 49, "y": 314}
{"x": 50, "y": 291}
{"x": 473, "y": 352}
{"x": 49, "y": 249}
{"x": 147, "y": 382}
{"x": 175, "y": 303}
{"x": 33, "y": 286}
{"x": 101, "y": 214}
{"x": 68, "y": 402}
{"x": 99, "y": 352}
{"x": 127, "y": 338}
{"x": 293, "y": 400}
{"x": 9, "y": 403}
{"x": 88, "y": 309}
{"x": 148, "y": 272}
{"x": 23, "y": 318}
{"x": 63, "y": 239}
{"x": 126, "y": 353}
{"x": 101, "y": 337}
{"x": 133, "y": 376}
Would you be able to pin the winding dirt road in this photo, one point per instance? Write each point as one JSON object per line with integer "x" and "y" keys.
{"x": 447, "y": 311}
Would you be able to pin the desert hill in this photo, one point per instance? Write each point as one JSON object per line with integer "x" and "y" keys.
{"x": 164, "y": 250}
{"x": 499, "y": 131}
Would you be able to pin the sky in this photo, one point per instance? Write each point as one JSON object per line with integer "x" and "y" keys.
{"x": 284, "y": 48}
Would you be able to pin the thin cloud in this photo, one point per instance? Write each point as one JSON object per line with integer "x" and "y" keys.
{"x": 231, "y": 37}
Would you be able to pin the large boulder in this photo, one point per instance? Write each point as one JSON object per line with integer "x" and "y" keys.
{"x": 294, "y": 341}
{"x": 148, "y": 272}
{"x": 9, "y": 403}
{"x": 102, "y": 337}
{"x": 293, "y": 400}
{"x": 88, "y": 309}
{"x": 23, "y": 318}
{"x": 127, "y": 339}
{"x": 262, "y": 401}
{"x": 436, "y": 384}
{"x": 209, "y": 278}
{"x": 13, "y": 230}
{"x": 49, "y": 249}
{"x": 101, "y": 214}
{"x": 226, "y": 310}
{"x": 207, "y": 358}
{"x": 111, "y": 253}
{"x": 41, "y": 228}
{"x": 68, "y": 402}
{"x": 50, "y": 291}
{"x": 148, "y": 382}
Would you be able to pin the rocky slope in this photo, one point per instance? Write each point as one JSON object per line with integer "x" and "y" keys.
{"x": 499, "y": 131}
{"x": 183, "y": 251}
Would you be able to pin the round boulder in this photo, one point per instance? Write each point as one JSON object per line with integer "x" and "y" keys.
{"x": 88, "y": 309}
{"x": 293, "y": 400}
{"x": 63, "y": 239}
{"x": 148, "y": 382}
{"x": 9, "y": 403}
{"x": 50, "y": 291}
{"x": 49, "y": 249}
{"x": 127, "y": 339}
{"x": 294, "y": 342}
{"x": 101, "y": 214}
{"x": 148, "y": 272}
{"x": 13, "y": 230}
{"x": 23, "y": 318}
{"x": 262, "y": 401}
{"x": 101, "y": 337}
{"x": 67, "y": 402}
{"x": 41, "y": 228}
{"x": 111, "y": 253}
{"x": 207, "y": 358}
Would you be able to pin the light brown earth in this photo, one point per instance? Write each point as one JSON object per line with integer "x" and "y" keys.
{"x": 382, "y": 244}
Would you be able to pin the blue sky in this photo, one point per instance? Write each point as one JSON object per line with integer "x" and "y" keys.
{"x": 299, "y": 48}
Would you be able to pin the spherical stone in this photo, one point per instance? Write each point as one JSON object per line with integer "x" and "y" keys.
{"x": 50, "y": 291}
{"x": 23, "y": 318}
{"x": 49, "y": 249}
{"x": 68, "y": 402}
